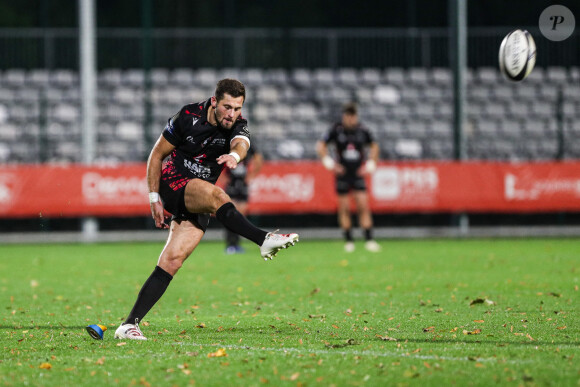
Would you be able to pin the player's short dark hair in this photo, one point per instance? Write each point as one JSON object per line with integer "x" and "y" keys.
{"x": 230, "y": 86}
{"x": 350, "y": 108}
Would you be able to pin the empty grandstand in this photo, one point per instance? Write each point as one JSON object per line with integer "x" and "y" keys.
{"x": 410, "y": 110}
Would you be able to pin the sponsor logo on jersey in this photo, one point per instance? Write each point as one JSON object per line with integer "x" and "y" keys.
{"x": 197, "y": 169}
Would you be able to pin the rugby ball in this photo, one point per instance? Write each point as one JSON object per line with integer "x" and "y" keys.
{"x": 517, "y": 55}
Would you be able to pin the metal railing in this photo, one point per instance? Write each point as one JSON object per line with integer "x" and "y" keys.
{"x": 268, "y": 48}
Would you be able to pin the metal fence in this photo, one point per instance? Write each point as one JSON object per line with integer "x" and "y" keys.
{"x": 268, "y": 48}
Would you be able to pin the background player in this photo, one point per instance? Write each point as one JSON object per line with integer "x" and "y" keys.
{"x": 352, "y": 141}
{"x": 237, "y": 188}
{"x": 200, "y": 140}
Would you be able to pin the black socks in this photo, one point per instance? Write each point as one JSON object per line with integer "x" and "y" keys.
{"x": 348, "y": 235}
{"x": 149, "y": 294}
{"x": 234, "y": 221}
{"x": 368, "y": 234}
{"x": 232, "y": 239}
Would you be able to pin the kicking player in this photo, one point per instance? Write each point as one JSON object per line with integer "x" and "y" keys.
{"x": 200, "y": 141}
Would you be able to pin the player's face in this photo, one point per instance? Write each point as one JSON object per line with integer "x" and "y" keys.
{"x": 349, "y": 120}
{"x": 227, "y": 110}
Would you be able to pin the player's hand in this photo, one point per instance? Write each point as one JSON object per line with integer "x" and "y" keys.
{"x": 158, "y": 215}
{"x": 228, "y": 160}
{"x": 339, "y": 169}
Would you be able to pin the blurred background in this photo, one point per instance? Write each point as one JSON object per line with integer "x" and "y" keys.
{"x": 300, "y": 62}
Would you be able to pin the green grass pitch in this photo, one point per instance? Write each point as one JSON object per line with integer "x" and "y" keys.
{"x": 421, "y": 312}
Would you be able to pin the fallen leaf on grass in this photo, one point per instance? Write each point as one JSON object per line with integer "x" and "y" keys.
{"x": 295, "y": 376}
{"x": 121, "y": 344}
{"x": 429, "y": 329}
{"x": 478, "y": 321}
{"x": 45, "y": 366}
{"x": 386, "y": 338}
{"x": 474, "y": 332}
{"x": 219, "y": 353}
{"x": 481, "y": 301}
{"x": 345, "y": 344}
{"x": 564, "y": 327}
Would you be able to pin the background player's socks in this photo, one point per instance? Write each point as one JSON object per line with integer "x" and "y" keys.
{"x": 368, "y": 234}
{"x": 234, "y": 221}
{"x": 348, "y": 235}
{"x": 149, "y": 294}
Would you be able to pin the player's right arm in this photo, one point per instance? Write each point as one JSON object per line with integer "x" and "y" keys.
{"x": 160, "y": 151}
{"x": 327, "y": 160}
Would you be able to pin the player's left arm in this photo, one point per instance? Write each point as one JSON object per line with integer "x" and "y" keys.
{"x": 373, "y": 158}
{"x": 238, "y": 150}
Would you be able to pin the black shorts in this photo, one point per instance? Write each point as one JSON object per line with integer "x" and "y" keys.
{"x": 346, "y": 183}
{"x": 237, "y": 189}
{"x": 173, "y": 196}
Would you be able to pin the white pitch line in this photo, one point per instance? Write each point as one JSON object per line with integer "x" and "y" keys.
{"x": 357, "y": 353}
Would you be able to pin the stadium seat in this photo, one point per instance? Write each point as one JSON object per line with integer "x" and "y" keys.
{"x": 418, "y": 76}
{"x": 370, "y": 76}
{"x": 205, "y": 77}
{"x": 182, "y": 76}
{"x": 301, "y": 77}
{"x": 395, "y": 76}
{"x": 557, "y": 75}
{"x": 348, "y": 77}
{"x": 441, "y": 76}
{"x": 133, "y": 77}
{"x": 324, "y": 77}
{"x": 159, "y": 77}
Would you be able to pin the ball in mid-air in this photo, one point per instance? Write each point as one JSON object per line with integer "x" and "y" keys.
{"x": 517, "y": 55}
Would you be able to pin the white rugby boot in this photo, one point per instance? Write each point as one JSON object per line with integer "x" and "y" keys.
{"x": 130, "y": 331}
{"x": 276, "y": 242}
{"x": 349, "y": 247}
{"x": 372, "y": 246}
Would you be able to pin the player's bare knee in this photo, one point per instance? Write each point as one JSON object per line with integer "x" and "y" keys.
{"x": 172, "y": 261}
{"x": 220, "y": 198}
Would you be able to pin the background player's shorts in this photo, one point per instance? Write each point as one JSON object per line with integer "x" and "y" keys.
{"x": 237, "y": 189}
{"x": 174, "y": 203}
{"x": 346, "y": 183}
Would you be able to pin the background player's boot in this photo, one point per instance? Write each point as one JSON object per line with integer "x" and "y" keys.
{"x": 372, "y": 246}
{"x": 276, "y": 242}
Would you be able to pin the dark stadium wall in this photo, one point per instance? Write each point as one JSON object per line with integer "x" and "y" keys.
{"x": 271, "y": 14}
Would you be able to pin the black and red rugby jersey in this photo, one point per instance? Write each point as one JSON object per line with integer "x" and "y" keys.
{"x": 198, "y": 144}
{"x": 350, "y": 144}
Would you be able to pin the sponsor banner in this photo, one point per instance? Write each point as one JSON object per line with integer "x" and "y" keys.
{"x": 425, "y": 187}
{"x": 303, "y": 187}
{"x": 55, "y": 191}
